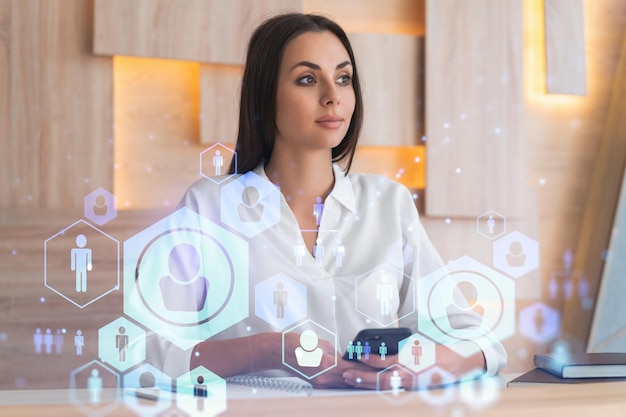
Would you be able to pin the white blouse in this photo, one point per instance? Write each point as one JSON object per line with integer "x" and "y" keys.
{"x": 370, "y": 252}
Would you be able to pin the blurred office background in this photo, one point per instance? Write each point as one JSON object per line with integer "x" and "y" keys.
{"x": 505, "y": 108}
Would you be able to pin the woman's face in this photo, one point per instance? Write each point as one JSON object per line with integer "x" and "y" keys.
{"x": 315, "y": 98}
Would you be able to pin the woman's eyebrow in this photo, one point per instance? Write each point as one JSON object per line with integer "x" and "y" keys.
{"x": 313, "y": 66}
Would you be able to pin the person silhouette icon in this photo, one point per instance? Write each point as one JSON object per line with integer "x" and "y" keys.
{"x": 100, "y": 208}
{"x": 465, "y": 300}
{"x": 184, "y": 290}
{"x": 308, "y": 353}
{"x": 81, "y": 262}
{"x": 516, "y": 256}
{"x": 250, "y": 209}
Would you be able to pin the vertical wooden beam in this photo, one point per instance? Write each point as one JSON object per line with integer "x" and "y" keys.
{"x": 7, "y": 162}
{"x": 474, "y": 107}
{"x": 601, "y": 204}
{"x": 566, "y": 71}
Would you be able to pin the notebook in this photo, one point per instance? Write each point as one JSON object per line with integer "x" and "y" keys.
{"x": 583, "y": 365}
{"x": 538, "y": 376}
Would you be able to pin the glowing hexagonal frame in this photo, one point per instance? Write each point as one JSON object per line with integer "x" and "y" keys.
{"x": 392, "y": 396}
{"x": 161, "y": 381}
{"x": 369, "y": 293}
{"x": 443, "y": 393}
{"x": 438, "y": 295}
{"x": 266, "y": 299}
{"x": 115, "y": 284}
{"x": 253, "y": 217}
{"x": 549, "y": 321}
{"x": 482, "y": 223}
{"x": 407, "y": 348}
{"x": 100, "y": 409}
{"x": 217, "y": 177}
{"x": 90, "y": 202}
{"x": 212, "y": 384}
{"x": 501, "y": 252}
{"x": 146, "y": 254}
{"x": 317, "y": 326}
{"x": 110, "y": 344}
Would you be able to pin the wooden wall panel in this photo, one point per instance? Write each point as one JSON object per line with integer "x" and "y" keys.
{"x": 156, "y": 131}
{"x": 391, "y": 68}
{"x": 474, "y": 113}
{"x": 59, "y": 147}
{"x": 6, "y": 161}
{"x": 565, "y": 47}
{"x": 372, "y": 16}
{"x": 215, "y": 31}
{"x": 220, "y": 89}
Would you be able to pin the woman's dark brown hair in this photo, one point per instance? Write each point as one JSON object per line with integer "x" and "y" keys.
{"x": 257, "y": 112}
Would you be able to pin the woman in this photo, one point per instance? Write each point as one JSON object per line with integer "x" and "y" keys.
{"x": 338, "y": 242}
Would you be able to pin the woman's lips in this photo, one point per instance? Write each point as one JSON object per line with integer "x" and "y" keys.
{"x": 330, "y": 122}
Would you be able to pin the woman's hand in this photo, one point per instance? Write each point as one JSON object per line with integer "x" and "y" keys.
{"x": 306, "y": 361}
{"x": 401, "y": 377}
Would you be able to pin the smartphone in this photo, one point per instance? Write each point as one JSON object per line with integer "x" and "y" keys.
{"x": 369, "y": 341}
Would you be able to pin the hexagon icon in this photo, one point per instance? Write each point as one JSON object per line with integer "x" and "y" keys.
{"x": 100, "y": 206}
{"x": 149, "y": 380}
{"x": 416, "y": 352}
{"x": 306, "y": 359}
{"x": 465, "y": 293}
{"x": 491, "y": 224}
{"x": 250, "y": 204}
{"x": 480, "y": 393}
{"x": 377, "y": 294}
{"x": 280, "y": 301}
{"x": 540, "y": 323}
{"x": 516, "y": 254}
{"x": 214, "y": 163}
{"x": 93, "y": 387}
{"x": 186, "y": 278}
{"x": 389, "y": 383}
{"x": 81, "y": 263}
{"x": 200, "y": 392}
{"x": 440, "y": 383}
{"x": 122, "y": 344}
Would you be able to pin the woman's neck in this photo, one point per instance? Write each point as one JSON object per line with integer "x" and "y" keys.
{"x": 301, "y": 177}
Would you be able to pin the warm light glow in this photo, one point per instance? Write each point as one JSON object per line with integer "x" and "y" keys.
{"x": 404, "y": 164}
{"x": 535, "y": 60}
{"x": 156, "y": 109}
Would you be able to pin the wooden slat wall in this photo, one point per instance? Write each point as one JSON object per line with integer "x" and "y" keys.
{"x": 59, "y": 127}
{"x": 565, "y": 47}
{"x": 197, "y": 30}
{"x": 474, "y": 119}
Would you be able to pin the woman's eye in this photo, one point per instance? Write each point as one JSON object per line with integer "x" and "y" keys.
{"x": 307, "y": 79}
{"x": 344, "y": 80}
